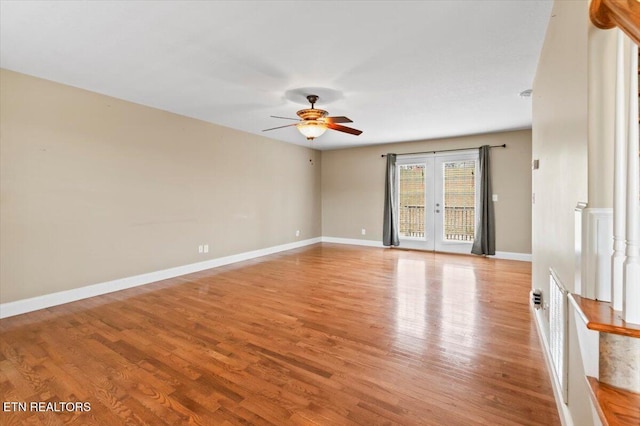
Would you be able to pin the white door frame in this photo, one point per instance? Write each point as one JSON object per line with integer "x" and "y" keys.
{"x": 427, "y": 242}
{"x": 433, "y": 239}
{"x": 441, "y": 244}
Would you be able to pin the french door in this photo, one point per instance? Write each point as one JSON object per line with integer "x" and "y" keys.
{"x": 437, "y": 200}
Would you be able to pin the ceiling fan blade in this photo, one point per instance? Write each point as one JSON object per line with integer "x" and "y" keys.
{"x": 280, "y": 127}
{"x": 344, "y": 129}
{"x": 340, "y": 119}
{"x": 285, "y": 118}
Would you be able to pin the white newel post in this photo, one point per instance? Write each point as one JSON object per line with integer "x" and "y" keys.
{"x": 619, "y": 179}
{"x": 631, "y": 308}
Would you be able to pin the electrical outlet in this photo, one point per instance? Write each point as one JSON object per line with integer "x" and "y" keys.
{"x": 200, "y": 248}
{"x": 364, "y": 231}
{"x": 206, "y": 248}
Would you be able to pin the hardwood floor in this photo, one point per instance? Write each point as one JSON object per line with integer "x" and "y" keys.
{"x": 326, "y": 334}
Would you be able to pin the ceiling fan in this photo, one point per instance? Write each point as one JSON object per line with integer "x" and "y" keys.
{"x": 314, "y": 122}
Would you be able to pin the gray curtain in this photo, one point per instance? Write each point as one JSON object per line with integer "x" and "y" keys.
{"x": 390, "y": 226}
{"x": 485, "y": 238}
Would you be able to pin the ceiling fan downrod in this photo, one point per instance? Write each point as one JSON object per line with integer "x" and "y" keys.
{"x": 312, "y": 99}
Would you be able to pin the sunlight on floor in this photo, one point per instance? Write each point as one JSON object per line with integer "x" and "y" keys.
{"x": 411, "y": 300}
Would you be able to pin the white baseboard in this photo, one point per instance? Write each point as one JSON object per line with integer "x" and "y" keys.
{"x": 563, "y": 409}
{"x": 526, "y": 257}
{"x": 352, "y": 241}
{"x": 48, "y": 300}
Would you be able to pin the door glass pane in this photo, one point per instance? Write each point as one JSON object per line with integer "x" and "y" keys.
{"x": 412, "y": 197}
{"x": 459, "y": 200}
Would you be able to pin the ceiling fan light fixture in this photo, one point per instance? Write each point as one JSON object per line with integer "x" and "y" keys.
{"x": 311, "y": 129}
{"x": 314, "y": 122}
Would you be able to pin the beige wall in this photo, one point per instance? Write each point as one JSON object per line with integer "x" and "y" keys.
{"x": 560, "y": 140}
{"x": 561, "y": 143}
{"x": 601, "y": 52}
{"x": 353, "y": 187}
{"x": 94, "y": 189}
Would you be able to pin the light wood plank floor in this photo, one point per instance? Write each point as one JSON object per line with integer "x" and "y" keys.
{"x": 326, "y": 334}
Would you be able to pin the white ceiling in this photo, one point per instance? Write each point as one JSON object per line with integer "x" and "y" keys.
{"x": 401, "y": 71}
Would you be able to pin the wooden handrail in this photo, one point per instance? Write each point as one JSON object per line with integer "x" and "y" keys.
{"x": 624, "y": 14}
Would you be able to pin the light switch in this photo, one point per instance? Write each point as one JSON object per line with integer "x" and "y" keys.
{"x": 494, "y": 197}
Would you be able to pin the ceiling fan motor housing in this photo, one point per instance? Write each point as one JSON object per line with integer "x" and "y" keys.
{"x": 312, "y": 114}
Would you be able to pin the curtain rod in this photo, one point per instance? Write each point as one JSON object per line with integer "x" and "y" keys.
{"x": 504, "y": 145}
